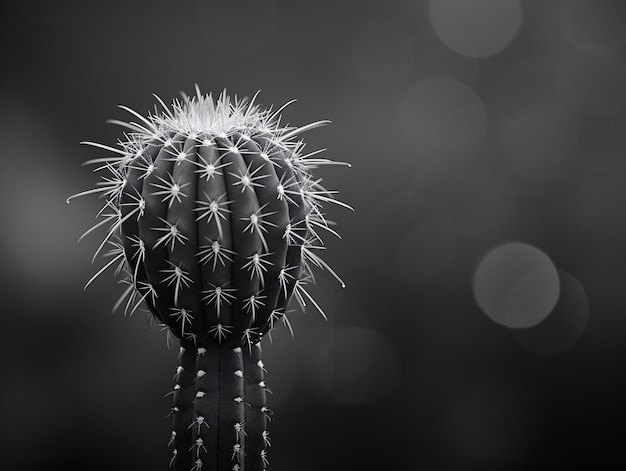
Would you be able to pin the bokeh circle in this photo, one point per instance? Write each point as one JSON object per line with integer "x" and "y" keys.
{"x": 565, "y": 324}
{"x": 476, "y": 28}
{"x": 516, "y": 285}
{"x": 594, "y": 26}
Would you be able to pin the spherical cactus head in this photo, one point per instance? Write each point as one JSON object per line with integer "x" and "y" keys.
{"x": 214, "y": 217}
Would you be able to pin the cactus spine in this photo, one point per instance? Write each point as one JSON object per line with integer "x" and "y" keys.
{"x": 214, "y": 218}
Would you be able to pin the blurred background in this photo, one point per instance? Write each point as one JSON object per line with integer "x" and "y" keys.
{"x": 483, "y": 324}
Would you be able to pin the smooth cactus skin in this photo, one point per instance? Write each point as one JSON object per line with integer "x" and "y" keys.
{"x": 213, "y": 219}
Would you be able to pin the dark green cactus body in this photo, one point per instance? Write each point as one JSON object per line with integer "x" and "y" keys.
{"x": 214, "y": 218}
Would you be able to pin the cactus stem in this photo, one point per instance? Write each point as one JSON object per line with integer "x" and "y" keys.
{"x": 239, "y": 429}
{"x": 237, "y": 452}
{"x": 198, "y": 445}
{"x": 174, "y": 454}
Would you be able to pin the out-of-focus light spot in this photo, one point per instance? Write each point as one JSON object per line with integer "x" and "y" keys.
{"x": 540, "y": 141}
{"x": 382, "y": 51}
{"x": 237, "y": 25}
{"x": 476, "y": 199}
{"x": 410, "y": 239}
{"x": 476, "y": 28}
{"x": 516, "y": 285}
{"x": 564, "y": 325}
{"x": 367, "y": 366}
{"x": 442, "y": 114}
{"x": 594, "y": 26}
{"x": 592, "y": 85}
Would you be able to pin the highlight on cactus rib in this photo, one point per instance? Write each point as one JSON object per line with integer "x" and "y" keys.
{"x": 213, "y": 220}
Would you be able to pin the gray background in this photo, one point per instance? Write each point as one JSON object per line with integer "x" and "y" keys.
{"x": 469, "y": 125}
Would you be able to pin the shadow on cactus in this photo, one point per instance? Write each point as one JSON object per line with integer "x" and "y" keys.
{"x": 213, "y": 219}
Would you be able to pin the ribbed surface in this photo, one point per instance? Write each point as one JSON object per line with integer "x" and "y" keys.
{"x": 219, "y": 412}
{"x": 222, "y": 228}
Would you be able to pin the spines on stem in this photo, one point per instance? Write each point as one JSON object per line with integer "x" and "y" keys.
{"x": 182, "y": 411}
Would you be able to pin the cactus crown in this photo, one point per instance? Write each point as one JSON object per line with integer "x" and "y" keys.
{"x": 201, "y": 114}
{"x": 213, "y": 216}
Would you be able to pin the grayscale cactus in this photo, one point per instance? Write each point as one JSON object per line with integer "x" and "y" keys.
{"x": 213, "y": 218}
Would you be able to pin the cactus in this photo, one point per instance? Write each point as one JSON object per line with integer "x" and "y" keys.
{"x": 214, "y": 219}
